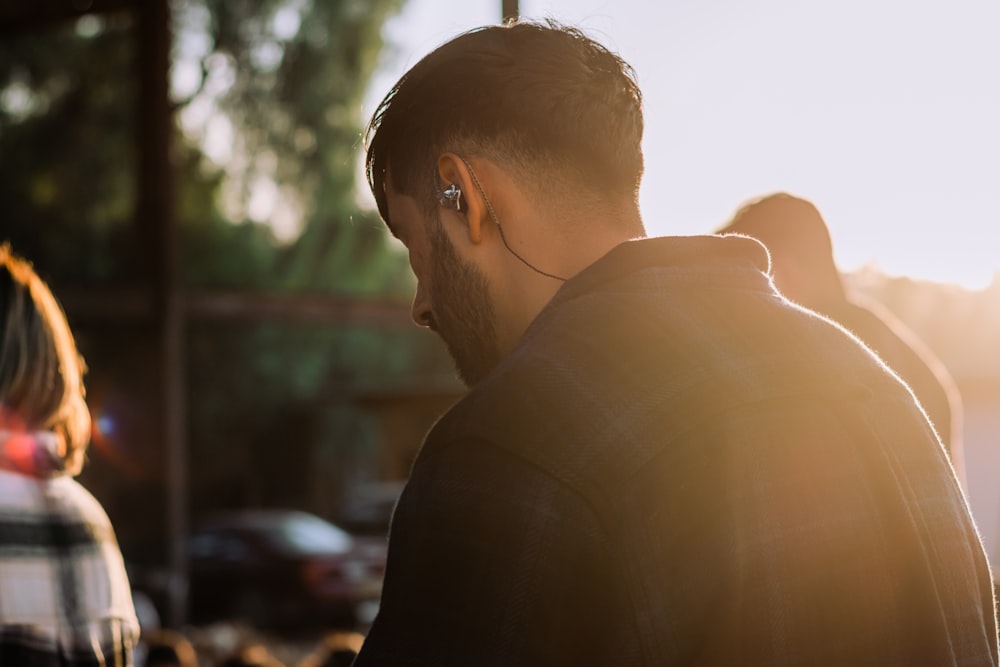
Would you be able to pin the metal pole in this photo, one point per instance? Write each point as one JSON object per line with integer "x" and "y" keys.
{"x": 510, "y": 10}
{"x": 155, "y": 210}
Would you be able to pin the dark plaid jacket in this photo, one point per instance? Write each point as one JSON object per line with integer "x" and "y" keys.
{"x": 64, "y": 596}
{"x": 677, "y": 466}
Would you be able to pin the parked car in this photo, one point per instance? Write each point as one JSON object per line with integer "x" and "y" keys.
{"x": 282, "y": 568}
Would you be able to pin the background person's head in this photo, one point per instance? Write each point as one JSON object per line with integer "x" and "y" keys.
{"x": 41, "y": 373}
{"x": 798, "y": 241}
{"x": 540, "y": 128}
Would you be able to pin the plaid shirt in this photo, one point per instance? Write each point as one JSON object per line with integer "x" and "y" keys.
{"x": 64, "y": 595}
{"x": 677, "y": 466}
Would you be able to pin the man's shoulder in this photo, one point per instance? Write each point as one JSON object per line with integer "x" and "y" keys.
{"x": 624, "y": 367}
{"x": 579, "y": 393}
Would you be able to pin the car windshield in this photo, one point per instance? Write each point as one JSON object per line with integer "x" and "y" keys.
{"x": 310, "y": 535}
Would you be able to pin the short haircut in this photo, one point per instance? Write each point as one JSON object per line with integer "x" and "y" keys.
{"x": 41, "y": 373}
{"x": 530, "y": 96}
{"x": 786, "y": 224}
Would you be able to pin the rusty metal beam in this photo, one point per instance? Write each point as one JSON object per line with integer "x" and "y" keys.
{"x": 105, "y": 305}
{"x": 136, "y": 306}
{"x": 297, "y": 308}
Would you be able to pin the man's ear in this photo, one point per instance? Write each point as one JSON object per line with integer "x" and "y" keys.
{"x": 453, "y": 170}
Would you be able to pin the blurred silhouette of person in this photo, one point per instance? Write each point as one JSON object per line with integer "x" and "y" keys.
{"x": 167, "y": 648}
{"x": 338, "y": 649}
{"x": 660, "y": 459}
{"x": 64, "y": 594}
{"x": 803, "y": 270}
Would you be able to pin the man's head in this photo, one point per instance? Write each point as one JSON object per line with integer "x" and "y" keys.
{"x": 539, "y": 128}
{"x": 551, "y": 105}
{"x": 41, "y": 373}
{"x": 799, "y": 243}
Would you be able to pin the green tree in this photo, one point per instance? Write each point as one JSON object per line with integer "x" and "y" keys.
{"x": 288, "y": 78}
{"x": 66, "y": 153}
{"x": 267, "y": 97}
{"x": 275, "y": 86}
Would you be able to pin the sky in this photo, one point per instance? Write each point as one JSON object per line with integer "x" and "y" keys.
{"x": 883, "y": 113}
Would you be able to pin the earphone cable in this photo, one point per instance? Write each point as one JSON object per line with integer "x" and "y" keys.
{"x": 503, "y": 237}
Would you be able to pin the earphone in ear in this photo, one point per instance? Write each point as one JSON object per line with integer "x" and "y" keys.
{"x": 452, "y": 196}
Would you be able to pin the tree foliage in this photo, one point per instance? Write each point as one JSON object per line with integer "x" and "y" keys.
{"x": 267, "y": 99}
{"x": 66, "y": 152}
{"x": 283, "y": 81}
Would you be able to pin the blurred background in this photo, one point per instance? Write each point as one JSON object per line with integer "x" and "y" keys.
{"x": 183, "y": 174}
{"x": 187, "y": 176}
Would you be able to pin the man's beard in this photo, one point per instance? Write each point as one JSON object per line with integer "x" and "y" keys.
{"x": 463, "y": 311}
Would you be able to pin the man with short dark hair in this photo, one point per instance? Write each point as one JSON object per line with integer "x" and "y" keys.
{"x": 661, "y": 460}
